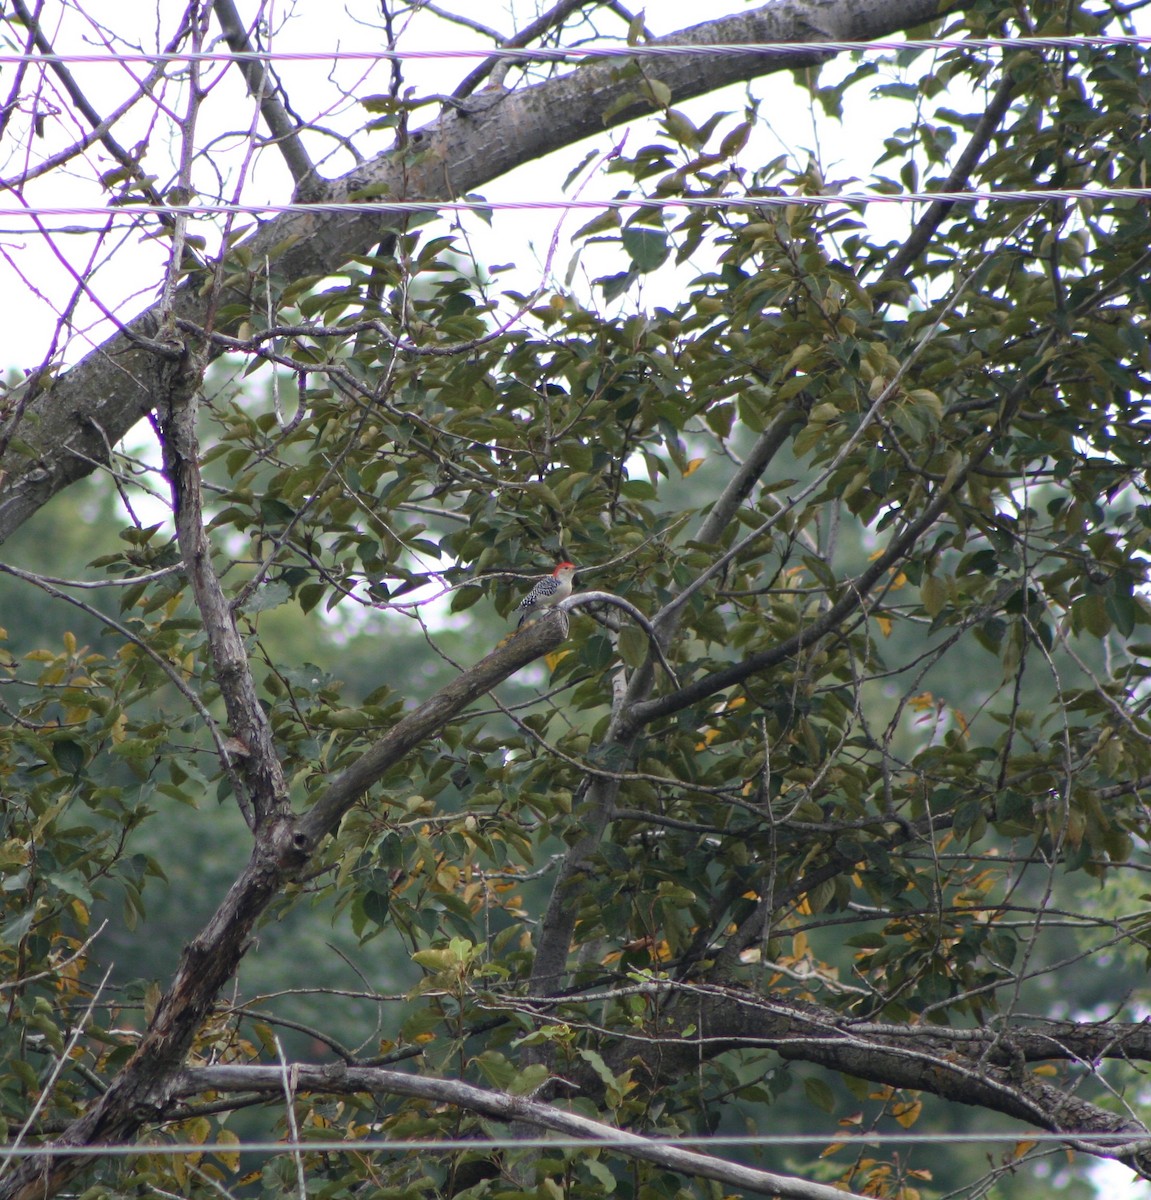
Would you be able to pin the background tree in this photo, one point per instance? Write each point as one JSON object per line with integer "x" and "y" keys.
{"x": 829, "y": 783}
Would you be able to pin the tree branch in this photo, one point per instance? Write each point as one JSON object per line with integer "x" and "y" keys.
{"x": 584, "y": 598}
{"x": 979, "y": 1067}
{"x": 281, "y": 851}
{"x": 456, "y": 154}
{"x": 553, "y": 17}
{"x": 937, "y": 211}
{"x": 855, "y": 592}
{"x": 100, "y": 126}
{"x": 503, "y": 1107}
{"x": 262, "y": 84}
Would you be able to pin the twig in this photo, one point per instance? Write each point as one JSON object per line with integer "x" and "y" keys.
{"x": 518, "y": 40}
{"x": 174, "y": 676}
{"x": 125, "y": 158}
{"x": 937, "y": 211}
{"x": 77, "y": 953}
{"x": 263, "y": 85}
{"x": 290, "y": 1078}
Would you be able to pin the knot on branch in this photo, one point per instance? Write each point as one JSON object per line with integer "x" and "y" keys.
{"x": 179, "y": 372}
{"x": 286, "y": 844}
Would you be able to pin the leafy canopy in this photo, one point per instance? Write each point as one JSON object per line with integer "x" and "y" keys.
{"x": 886, "y": 501}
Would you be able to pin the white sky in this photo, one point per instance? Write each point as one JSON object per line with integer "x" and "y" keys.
{"x": 786, "y": 126}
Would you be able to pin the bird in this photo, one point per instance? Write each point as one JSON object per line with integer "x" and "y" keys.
{"x": 548, "y": 591}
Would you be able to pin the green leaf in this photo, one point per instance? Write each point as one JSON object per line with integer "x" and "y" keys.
{"x": 268, "y": 595}
{"x": 69, "y": 755}
{"x": 376, "y": 906}
{"x": 647, "y": 248}
{"x": 819, "y": 1094}
{"x": 12, "y": 931}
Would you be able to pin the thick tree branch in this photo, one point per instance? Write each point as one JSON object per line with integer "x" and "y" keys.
{"x": 281, "y": 851}
{"x": 258, "y": 763}
{"x": 70, "y": 424}
{"x": 979, "y": 1067}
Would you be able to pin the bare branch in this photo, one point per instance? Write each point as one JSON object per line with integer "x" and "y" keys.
{"x": 505, "y": 1107}
{"x": 937, "y": 212}
{"x": 263, "y": 85}
{"x": 585, "y": 598}
{"x": 554, "y": 17}
{"x": 100, "y": 126}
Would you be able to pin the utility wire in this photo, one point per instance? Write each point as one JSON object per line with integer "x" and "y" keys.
{"x": 775, "y": 200}
{"x": 358, "y": 1146}
{"x": 583, "y": 54}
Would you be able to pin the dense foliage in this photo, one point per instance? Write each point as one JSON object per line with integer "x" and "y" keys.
{"x": 860, "y": 843}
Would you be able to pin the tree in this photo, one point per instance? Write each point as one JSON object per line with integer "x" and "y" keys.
{"x": 831, "y": 774}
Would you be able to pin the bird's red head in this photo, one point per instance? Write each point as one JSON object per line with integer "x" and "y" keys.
{"x": 564, "y": 566}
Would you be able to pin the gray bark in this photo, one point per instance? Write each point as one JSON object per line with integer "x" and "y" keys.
{"x": 62, "y": 427}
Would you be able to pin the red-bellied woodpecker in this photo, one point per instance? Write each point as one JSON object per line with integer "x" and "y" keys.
{"x": 548, "y": 591}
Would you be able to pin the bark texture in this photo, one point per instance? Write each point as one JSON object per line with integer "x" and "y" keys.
{"x": 65, "y": 425}
{"x": 283, "y": 846}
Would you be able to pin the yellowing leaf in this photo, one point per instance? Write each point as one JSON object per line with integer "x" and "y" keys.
{"x": 907, "y": 1114}
{"x": 225, "y": 1137}
{"x": 448, "y": 876}
{"x": 885, "y": 625}
{"x": 693, "y": 465}
{"x": 554, "y": 659}
{"x": 800, "y": 354}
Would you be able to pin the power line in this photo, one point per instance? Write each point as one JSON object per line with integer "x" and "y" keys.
{"x": 583, "y": 54}
{"x": 1006, "y": 195}
{"x": 625, "y": 1141}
